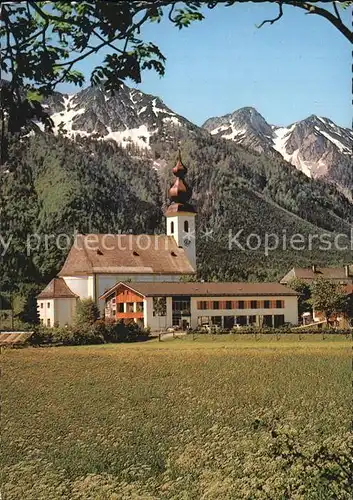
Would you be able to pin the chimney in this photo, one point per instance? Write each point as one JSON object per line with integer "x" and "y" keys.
{"x": 346, "y": 268}
{"x": 314, "y": 268}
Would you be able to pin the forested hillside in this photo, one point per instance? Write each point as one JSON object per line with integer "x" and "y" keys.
{"x": 55, "y": 186}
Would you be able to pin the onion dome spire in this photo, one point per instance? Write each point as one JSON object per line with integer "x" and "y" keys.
{"x": 180, "y": 193}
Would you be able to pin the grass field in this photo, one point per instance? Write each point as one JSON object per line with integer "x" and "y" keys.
{"x": 214, "y": 418}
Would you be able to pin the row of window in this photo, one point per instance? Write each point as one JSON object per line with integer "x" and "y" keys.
{"x": 42, "y": 305}
{"x": 240, "y": 304}
{"x": 48, "y": 322}
{"x": 186, "y": 227}
{"x": 130, "y": 307}
{"x": 228, "y": 322}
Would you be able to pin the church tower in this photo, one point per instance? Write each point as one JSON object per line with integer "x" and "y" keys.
{"x": 181, "y": 215}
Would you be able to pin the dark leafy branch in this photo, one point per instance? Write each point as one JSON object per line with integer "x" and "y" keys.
{"x": 42, "y": 42}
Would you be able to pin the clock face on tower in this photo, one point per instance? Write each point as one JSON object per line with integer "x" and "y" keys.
{"x": 187, "y": 241}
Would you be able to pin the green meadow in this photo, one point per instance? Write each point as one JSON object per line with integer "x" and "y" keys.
{"x": 210, "y": 418}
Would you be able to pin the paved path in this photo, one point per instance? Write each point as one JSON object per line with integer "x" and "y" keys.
{"x": 170, "y": 335}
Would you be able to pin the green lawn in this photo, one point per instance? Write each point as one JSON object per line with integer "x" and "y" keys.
{"x": 221, "y": 417}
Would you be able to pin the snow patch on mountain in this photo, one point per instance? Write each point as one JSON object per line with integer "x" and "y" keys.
{"x": 341, "y": 147}
{"x": 218, "y": 130}
{"x": 65, "y": 118}
{"x": 139, "y": 136}
{"x": 280, "y": 139}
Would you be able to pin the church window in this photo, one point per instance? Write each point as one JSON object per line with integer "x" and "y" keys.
{"x": 172, "y": 227}
{"x": 186, "y": 226}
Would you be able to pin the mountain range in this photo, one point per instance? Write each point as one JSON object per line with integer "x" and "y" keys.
{"x": 316, "y": 145}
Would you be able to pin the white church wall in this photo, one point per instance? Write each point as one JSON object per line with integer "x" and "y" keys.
{"x": 46, "y": 312}
{"x": 64, "y": 311}
{"x": 90, "y": 286}
{"x": 79, "y": 285}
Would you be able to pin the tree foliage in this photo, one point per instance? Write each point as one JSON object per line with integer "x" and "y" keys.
{"x": 327, "y": 297}
{"x": 304, "y": 291}
{"x": 87, "y": 313}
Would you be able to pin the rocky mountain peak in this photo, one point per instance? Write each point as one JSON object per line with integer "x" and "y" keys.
{"x": 244, "y": 126}
{"x": 128, "y": 116}
{"x": 315, "y": 145}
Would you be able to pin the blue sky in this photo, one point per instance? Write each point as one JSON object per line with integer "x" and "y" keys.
{"x": 297, "y": 67}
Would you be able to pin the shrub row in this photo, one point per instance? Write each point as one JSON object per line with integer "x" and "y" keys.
{"x": 96, "y": 333}
{"x": 279, "y": 331}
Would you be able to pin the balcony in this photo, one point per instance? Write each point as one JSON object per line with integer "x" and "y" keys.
{"x": 130, "y": 315}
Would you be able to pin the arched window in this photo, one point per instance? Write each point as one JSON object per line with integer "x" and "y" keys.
{"x": 172, "y": 227}
{"x": 186, "y": 226}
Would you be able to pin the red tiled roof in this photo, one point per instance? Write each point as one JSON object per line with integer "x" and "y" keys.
{"x": 57, "y": 289}
{"x": 125, "y": 254}
{"x": 196, "y": 289}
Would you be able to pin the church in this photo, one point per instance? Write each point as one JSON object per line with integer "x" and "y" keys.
{"x": 144, "y": 278}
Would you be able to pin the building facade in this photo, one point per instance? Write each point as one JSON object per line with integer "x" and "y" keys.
{"x": 96, "y": 262}
{"x": 194, "y": 305}
{"x": 56, "y": 304}
{"x": 139, "y": 278}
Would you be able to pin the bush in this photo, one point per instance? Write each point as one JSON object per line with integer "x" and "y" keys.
{"x": 87, "y": 313}
{"x": 67, "y": 336}
{"x": 96, "y": 333}
{"x": 41, "y": 336}
{"x": 121, "y": 332}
